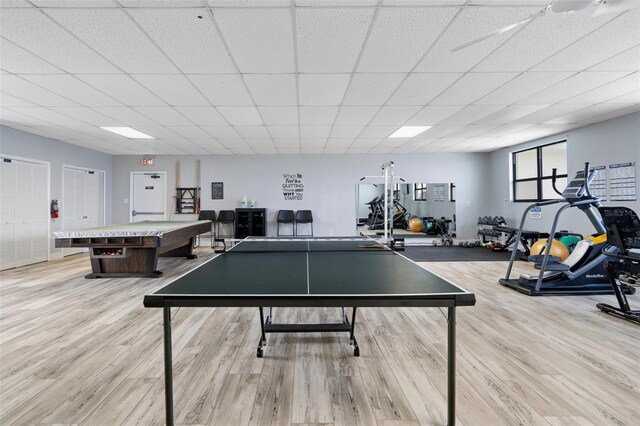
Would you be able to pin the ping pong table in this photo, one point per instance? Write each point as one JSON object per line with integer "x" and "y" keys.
{"x": 317, "y": 272}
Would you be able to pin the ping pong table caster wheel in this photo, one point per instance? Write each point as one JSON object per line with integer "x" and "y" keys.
{"x": 356, "y": 351}
{"x": 260, "y": 353}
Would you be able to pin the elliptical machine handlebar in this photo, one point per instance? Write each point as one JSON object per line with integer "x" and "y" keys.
{"x": 554, "y": 178}
{"x": 587, "y": 178}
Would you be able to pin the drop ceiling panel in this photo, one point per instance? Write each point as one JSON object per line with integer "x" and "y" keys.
{"x": 619, "y": 87}
{"x": 440, "y": 131}
{"x": 471, "y": 114}
{"x": 222, "y": 89}
{"x": 10, "y": 117}
{"x": 286, "y": 143}
{"x": 174, "y": 89}
{"x": 182, "y": 36}
{"x": 203, "y": 115}
{"x": 572, "y": 86}
{"x": 547, "y": 114}
{"x": 71, "y": 88}
{"x": 272, "y": 89}
{"x": 522, "y": 86}
{"x": 613, "y": 38}
{"x": 633, "y": 97}
{"x": 253, "y": 132}
{"x": 162, "y": 132}
{"x": 472, "y": 130}
{"x": 377, "y": 132}
{"x": 89, "y": 116}
{"x": 162, "y": 3}
{"x": 289, "y": 151}
{"x": 471, "y": 87}
{"x": 16, "y": 86}
{"x": 355, "y": 115}
{"x": 127, "y": 116}
{"x": 260, "y": 40}
{"x": 122, "y": 88}
{"x": 614, "y": 114}
{"x": 628, "y": 60}
{"x": 37, "y": 33}
{"x": 74, "y": 3}
{"x": 430, "y": 115}
{"x": 587, "y": 114}
{"x": 193, "y": 133}
{"x": 330, "y": 40}
{"x": 279, "y": 115}
{"x": 345, "y": 132}
{"x": 19, "y": 61}
{"x": 468, "y": 25}
{"x": 322, "y": 89}
{"x": 318, "y": 115}
{"x": 7, "y": 100}
{"x": 422, "y": 88}
{"x": 222, "y": 132}
{"x": 243, "y": 3}
{"x": 239, "y": 116}
{"x": 540, "y": 39}
{"x": 114, "y": 35}
{"x": 510, "y": 113}
{"x": 284, "y": 132}
{"x": 167, "y": 116}
{"x": 394, "y": 115}
{"x": 314, "y": 131}
{"x": 371, "y": 89}
{"x": 401, "y": 36}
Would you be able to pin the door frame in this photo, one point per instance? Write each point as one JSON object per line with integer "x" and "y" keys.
{"x": 164, "y": 199}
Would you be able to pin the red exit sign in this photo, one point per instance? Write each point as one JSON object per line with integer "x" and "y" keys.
{"x": 147, "y": 161}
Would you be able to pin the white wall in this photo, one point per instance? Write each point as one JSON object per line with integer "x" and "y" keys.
{"x": 329, "y": 182}
{"x": 16, "y": 143}
{"x": 604, "y": 143}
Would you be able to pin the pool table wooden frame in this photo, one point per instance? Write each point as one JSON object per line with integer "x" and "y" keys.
{"x": 136, "y": 256}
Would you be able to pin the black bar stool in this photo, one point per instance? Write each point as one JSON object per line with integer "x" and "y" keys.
{"x": 207, "y": 215}
{"x": 226, "y": 217}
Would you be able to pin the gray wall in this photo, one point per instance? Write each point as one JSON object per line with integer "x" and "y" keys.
{"x": 17, "y": 143}
{"x": 329, "y": 183}
{"x": 604, "y": 143}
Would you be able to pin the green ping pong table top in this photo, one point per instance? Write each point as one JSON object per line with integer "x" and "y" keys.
{"x": 310, "y": 272}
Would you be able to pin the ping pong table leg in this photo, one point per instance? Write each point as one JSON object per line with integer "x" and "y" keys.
{"x": 352, "y": 337}
{"x": 168, "y": 365}
{"x": 451, "y": 367}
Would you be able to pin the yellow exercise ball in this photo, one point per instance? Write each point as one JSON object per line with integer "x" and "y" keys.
{"x": 416, "y": 224}
{"x": 557, "y": 249}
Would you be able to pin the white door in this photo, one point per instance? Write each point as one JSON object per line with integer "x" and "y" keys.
{"x": 7, "y": 213}
{"x": 82, "y": 202}
{"x": 24, "y": 213}
{"x": 148, "y": 196}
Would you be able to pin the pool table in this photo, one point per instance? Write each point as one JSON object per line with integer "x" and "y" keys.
{"x": 132, "y": 250}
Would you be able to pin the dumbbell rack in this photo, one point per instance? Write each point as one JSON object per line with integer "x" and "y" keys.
{"x": 485, "y": 229}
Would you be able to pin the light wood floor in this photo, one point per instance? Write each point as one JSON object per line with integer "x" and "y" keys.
{"x": 77, "y": 351}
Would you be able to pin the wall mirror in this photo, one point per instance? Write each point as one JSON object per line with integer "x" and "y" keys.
{"x": 423, "y": 200}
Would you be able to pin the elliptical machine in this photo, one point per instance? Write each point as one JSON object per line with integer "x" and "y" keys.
{"x": 583, "y": 271}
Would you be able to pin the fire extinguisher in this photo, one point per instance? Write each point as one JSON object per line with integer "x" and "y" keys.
{"x": 54, "y": 209}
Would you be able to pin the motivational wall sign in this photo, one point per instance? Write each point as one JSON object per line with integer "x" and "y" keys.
{"x": 292, "y": 188}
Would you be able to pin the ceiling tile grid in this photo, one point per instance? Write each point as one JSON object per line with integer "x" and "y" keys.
{"x": 310, "y": 76}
